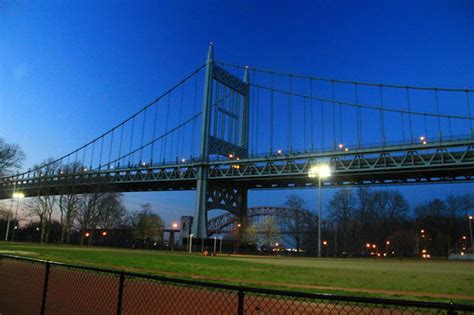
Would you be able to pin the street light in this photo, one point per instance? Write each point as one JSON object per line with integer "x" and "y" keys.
{"x": 18, "y": 196}
{"x": 320, "y": 171}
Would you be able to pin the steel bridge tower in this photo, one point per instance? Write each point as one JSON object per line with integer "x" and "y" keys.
{"x": 224, "y": 133}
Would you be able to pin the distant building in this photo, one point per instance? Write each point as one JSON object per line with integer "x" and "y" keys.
{"x": 186, "y": 225}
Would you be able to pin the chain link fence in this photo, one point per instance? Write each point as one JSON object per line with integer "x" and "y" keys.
{"x": 30, "y": 286}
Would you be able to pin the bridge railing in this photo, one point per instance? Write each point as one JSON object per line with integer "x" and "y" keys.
{"x": 36, "y": 286}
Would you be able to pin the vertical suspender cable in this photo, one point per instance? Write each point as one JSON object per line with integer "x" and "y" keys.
{"x": 304, "y": 122}
{"x": 311, "y": 116}
{"x": 180, "y": 131}
{"x": 166, "y": 127}
{"x": 152, "y": 149}
{"x": 120, "y": 146}
{"x": 341, "y": 135}
{"x": 440, "y": 132}
{"x": 402, "y": 120}
{"x": 271, "y": 113}
{"x": 101, "y": 150}
{"x": 290, "y": 97}
{"x": 194, "y": 114}
{"x": 382, "y": 116}
{"x": 322, "y": 125}
{"x": 450, "y": 127}
{"x": 92, "y": 155}
{"x": 426, "y": 125}
{"x": 468, "y": 103}
{"x": 409, "y": 114}
{"x": 84, "y": 157}
{"x": 130, "y": 155}
{"x": 110, "y": 149}
{"x": 142, "y": 136}
{"x": 358, "y": 116}
{"x": 256, "y": 119}
{"x": 334, "y": 141}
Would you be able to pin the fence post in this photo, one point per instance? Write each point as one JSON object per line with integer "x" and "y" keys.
{"x": 45, "y": 288}
{"x": 240, "y": 309}
{"x": 120, "y": 294}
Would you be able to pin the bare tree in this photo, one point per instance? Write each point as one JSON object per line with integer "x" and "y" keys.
{"x": 68, "y": 205}
{"x": 295, "y": 219}
{"x": 11, "y": 157}
{"x": 111, "y": 212}
{"x": 87, "y": 214}
{"x": 42, "y": 207}
{"x": 343, "y": 211}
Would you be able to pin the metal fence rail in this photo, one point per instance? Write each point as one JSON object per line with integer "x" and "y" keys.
{"x": 31, "y": 286}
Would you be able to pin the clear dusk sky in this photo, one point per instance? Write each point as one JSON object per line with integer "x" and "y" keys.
{"x": 71, "y": 70}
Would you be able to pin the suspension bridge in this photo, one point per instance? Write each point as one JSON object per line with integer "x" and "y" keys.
{"x": 225, "y": 129}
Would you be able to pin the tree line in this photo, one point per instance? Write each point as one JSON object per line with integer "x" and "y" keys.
{"x": 367, "y": 221}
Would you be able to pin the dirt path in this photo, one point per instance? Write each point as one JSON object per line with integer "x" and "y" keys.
{"x": 75, "y": 291}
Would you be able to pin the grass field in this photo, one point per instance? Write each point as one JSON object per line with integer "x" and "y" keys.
{"x": 413, "y": 279}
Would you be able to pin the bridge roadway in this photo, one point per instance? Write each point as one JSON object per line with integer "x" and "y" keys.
{"x": 450, "y": 161}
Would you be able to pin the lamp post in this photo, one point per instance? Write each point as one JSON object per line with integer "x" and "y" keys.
{"x": 190, "y": 242}
{"x": 18, "y": 197}
{"x": 9, "y": 219}
{"x": 320, "y": 171}
{"x": 470, "y": 229}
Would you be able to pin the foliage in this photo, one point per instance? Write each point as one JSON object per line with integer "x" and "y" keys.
{"x": 147, "y": 226}
{"x": 270, "y": 232}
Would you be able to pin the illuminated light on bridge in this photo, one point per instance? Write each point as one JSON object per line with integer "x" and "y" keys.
{"x": 292, "y": 114}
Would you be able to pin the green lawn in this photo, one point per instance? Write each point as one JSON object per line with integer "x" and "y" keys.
{"x": 432, "y": 280}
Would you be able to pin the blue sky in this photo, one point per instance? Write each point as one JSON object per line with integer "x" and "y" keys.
{"x": 71, "y": 70}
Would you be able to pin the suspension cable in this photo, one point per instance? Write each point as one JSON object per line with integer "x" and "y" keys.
{"x": 345, "y": 81}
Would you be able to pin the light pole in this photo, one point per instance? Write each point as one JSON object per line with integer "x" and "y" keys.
{"x": 190, "y": 242}
{"x": 18, "y": 197}
{"x": 470, "y": 229}
{"x": 320, "y": 171}
{"x": 9, "y": 219}
{"x": 15, "y": 195}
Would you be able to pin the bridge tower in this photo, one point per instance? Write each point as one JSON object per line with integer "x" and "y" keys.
{"x": 224, "y": 133}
